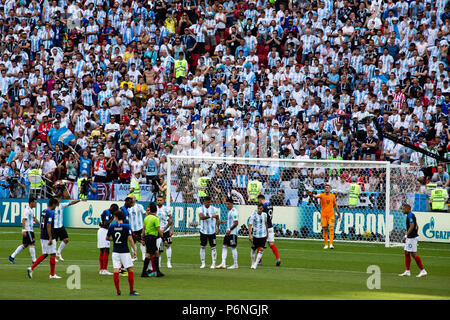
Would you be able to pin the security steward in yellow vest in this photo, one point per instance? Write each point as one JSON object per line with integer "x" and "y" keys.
{"x": 202, "y": 185}
{"x": 181, "y": 68}
{"x": 439, "y": 198}
{"x": 34, "y": 172}
{"x": 253, "y": 190}
{"x": 353, "y": 196}
{"x": 135, "y": 189}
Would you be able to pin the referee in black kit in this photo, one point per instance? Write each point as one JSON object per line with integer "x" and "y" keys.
{"x": 150, "y": 233}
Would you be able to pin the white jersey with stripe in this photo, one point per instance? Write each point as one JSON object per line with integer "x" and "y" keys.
{"x": 233, "y": 215}
{"x": 163, "y": 214}
{"x": 259, "y": 224}
{"x": 208, "y": 226}
{"x": 59, "y": 220}
{"x": 28, "y": 214}
{"x": 136, "y": 217}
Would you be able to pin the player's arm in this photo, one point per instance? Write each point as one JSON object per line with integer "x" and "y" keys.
{"x": 75, "y": 202}
{"x": 233, "y": 226}
{"x": 49, "y": 231}
{"x": 133, "y": 246}
{"x": 250, "y": 229}
{"x": 336, "y": 208}
{"x": 160, "y": 233}
{"x": 410, "y": 229}
{"x": 218, "y": 222}
{"x": 24, "y": 220}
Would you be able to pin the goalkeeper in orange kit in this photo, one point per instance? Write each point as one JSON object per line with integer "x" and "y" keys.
{"x": 327, "y": 206}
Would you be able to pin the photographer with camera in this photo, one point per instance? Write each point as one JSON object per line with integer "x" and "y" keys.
{"x": 86, "y": 188}
{"x": 16, "y": 185}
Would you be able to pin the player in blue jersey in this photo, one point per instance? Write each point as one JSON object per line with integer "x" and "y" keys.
{"x": 120, "y": 234}
{"x": 126, "y": 214}
{"x": 268, "y": 209}
{"x": 231, "y": 236}
{"x": 48, "y": 242}
{"x": 257, "y": 234}
{"x": 105, "y": 220}
{"x": 410, "y": 240}
{"x": 28, "y": 240}
{"x": 209, "y": 228}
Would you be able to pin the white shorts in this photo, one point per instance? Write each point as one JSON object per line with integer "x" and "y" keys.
{"x": 101, "y": 238}
{"x": 120, "y": 259}
{"x": 271, "y": 235}
{"x": 48, "y": 249}
{"x": 411, "y": 244}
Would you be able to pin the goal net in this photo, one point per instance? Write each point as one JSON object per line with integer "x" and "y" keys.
{"x": 289, "y": 183}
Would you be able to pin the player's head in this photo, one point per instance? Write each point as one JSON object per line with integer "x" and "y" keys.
{"x": 32, "y": 202}
{"x": 113, "y": 208}
{"x": 207, "y": 201}
{"x": 118, "y": 215}
{"x": 160, "y": 200}
{"x": 53, "y": 203}
{"x": 327, "y": 188}
{"x": 133, "y": 200}
{"x": 261, "y": 199}
{"x": 153, "y": 208}
{"x": 229, "y": 203}
{"x": 260, "y": 208}
{"x": 128, "y": 202}
{"x": 406, "y": 208}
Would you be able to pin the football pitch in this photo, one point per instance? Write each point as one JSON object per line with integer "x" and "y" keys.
{"x": 307, "y": 272}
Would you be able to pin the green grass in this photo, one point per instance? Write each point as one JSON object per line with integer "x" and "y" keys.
{"x": 307, "y": 272}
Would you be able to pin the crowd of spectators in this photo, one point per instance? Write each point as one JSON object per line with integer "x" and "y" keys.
{"x": 126, "y": 76}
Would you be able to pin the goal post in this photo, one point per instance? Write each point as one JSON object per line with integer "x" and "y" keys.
{"x": 376, "y": 217}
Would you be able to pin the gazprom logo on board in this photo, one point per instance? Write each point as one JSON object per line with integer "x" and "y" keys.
{"x": 430, "y": 232}
{"x": 88, "y": 219}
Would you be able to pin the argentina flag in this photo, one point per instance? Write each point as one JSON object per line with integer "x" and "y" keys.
{"x": 65, "y": 135}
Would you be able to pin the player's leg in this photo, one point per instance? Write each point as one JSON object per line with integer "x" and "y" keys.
{"x": 407, "y": 264}
{"x": 125, "y": 259}
{"x": 260, "y": 254}
{"x": 331, "y": 231}
{"x": 212, "y": 243}
{"x": 417, "y": 258}
{"x": 253, "y": 257}
{"x": 271, "y": 240}
{"x": 53, "y": 264}
{"x": 16, "y": 252}
{"x": 65, "y": 240}
{"x": 32, "y": 249}
{"x": 116, "y": 265}
{"x": 234, "y": 253}
{"x": 223, "y": 264}
{"x": 324, "y": 225}
{"x": 203, "y": 242}
{"x": 168, "y": 254}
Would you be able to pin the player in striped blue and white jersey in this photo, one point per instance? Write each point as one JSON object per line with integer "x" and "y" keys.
{"x": 209, "y": 228}
{"x": 28, "y": 240}
{"x": 257, "y": 233}
{"x": 136, "y": 220}
{"x": 60, "y": 231}
{"x": 231, "y": 235}
{"x": 166, "y": 225}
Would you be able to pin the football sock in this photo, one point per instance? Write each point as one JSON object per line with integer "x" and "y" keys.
{"x": 275, "y": 251}
{"x": 38, "y": 260}
{"x": 407, "y": 260}
{"x": 152, "y": 260}
{"x": 17, "y": 251}
{"x": 116, "y": 281}
{"x": 253, "y": 254}
{"x": 131, "y": 280}
{"x": 235, "y": 255}
{"x": 224, "y": 254}
{"x": 325, "y": 236}
{"x": 214, "y": 255}
{"x": 143, "y": 251}
{"x": 52, "y": 265}
{"x": 105, "y": 260}
{"x": 331, "y": 235}
{"x": 61, "y": 246}
{"x": 419, "y": 262}
{"x": 169, "y": 254}
{"x": 100, "y": 260}
{"x": 202, "y": 254}
{"x": 146, "y": 263}
{"x": 257, "y": 251}
{"x": 32, "y": 253}
{"x": 260, "y": 253}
